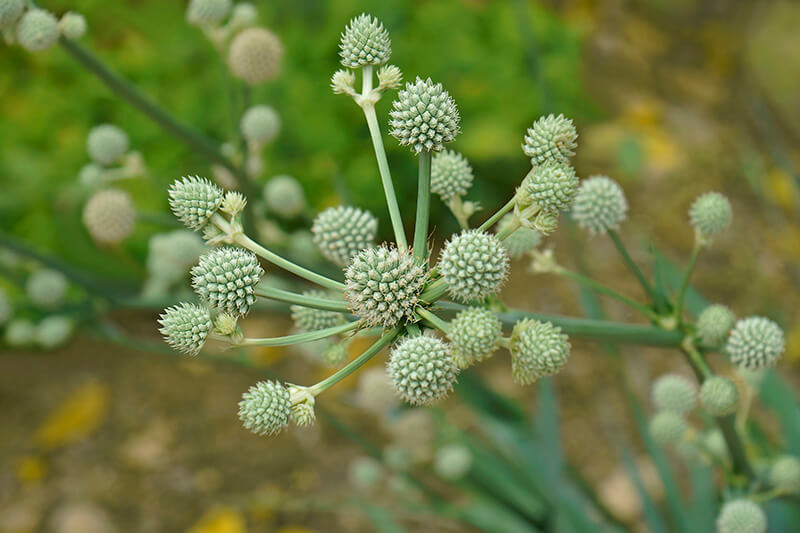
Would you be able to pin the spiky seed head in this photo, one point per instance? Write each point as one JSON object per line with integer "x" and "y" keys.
{"x": 382, "y": 285}
{"x": 538, "y": 349}
{"x": 341, "y": 232}
{"x": 233, "y": 203}
{"x": 451, "y": 175}
{"x": 674, "y": 393}
{"x": 310, "y": 319}
{"x": 422, "y": 369}
{"x": 600, "y": 205}
{"x": 741, "y": 516}
{"x": 109, "y": 216}
{"x": 474, "y": 264}
{"x": 389, "y": 77}
{"x": 226, "y": 279}
{"x": 785, "y": 473}
{"x": 755, "y": 342}
{"x": 185, "y": 327}
{"x": 335, "y": 355}
{"x": 452, "y": 461}
{"x": 6, "y": 307}
{"x": 302, "y": 405}
{"x": 521, "y": 241}
{"x": 265, "y": 408}
{"x": 20, "y": 332}
{"x": 106, "y": 144}
{"x": 260, "y": 124}
{"x": 194, "y": 200}
{"x": 284, "y": 195}
{"x": 550, "y": 138}
{"x": 47, "y": 288}
{"x": 343, "y": 82}
{"x": 53, "y": 331}
{"x": 207, "y": 12}
{"x": 91, "y": 175}
{"x": 474, "y": 335}
{"x": 255, "y": 56}
{"x": 424, "y": 116}
{"x": 710, "y": 214}
{"x": 719, "y": 396}
{"x": 37, "y": 30}
{"x": 714, "y": 323}
{"x": 10, "y": 12}
{"x": 551, "y": 185}
{"x": 72, "y": 25}
{"x": 364, "y": 42}
{"x": 667, "y": 427}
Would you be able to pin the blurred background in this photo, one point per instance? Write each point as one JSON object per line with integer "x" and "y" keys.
{"x": 113, "y": 432}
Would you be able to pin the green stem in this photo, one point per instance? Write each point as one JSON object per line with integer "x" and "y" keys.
{"x": 497, "y": 216}
{"x": 634, "y": 268}
{"x": 433, "y": 320}
{"x": 299, "y": 338}
{"x": 599, "y": 287}
{"x": 509, "y": 229}
{"x": 301, "y": 299}
{"x": 434, "y": 291}
{"x": 685, "y": 281}
{"x": 423, "y": 207}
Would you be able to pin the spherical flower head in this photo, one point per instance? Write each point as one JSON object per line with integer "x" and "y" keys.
{"x": 10, "y": 12}
{"x": 185, "y": 327}
{"x": 600, "y": 205}
{"x": 552, "y": 186}
{"x": 741, "y": 516}
{"x": 255, "y": 56}
{"x": 53, "y": 331}
{"x": 755, "y": 342}
{"x": 47, "y": 288}
{"x": 674, "y": 393}
{"x": 109, "y": 216}
{"x": 207, "y": 12}
{"x": 422, "y": 369}
{"x": 451, "y": 175}
{"x": 382, "y": 286}
{"x": 106, "y": 144}
{"x": 226, "y": 279}
{"x": 424, "y": 116}
{"x": 260, "y": 124}
{"x": 550, "y": 138}
{"x": 785, "y": 473}
{"x": 6, "y": 307}
{"x": 310, "y": 319}
{"x": 521, "y": 241}
{"x": 719, "y": 396}
{"x": 365, "y": 42}
{"x": 20, "y": 332}
{"x": 474, "y": 335}
{"x": 667, "y": 427}
{"x": 194, "y": 200}
{"x": 284, "y": 195}
{"x": 37, "y": 30}
{"x": 538, "y": 349}
{"x": 710, "y": 214}
{"x": 714, "y": 323}
{"x": 265, "y": 408}
{"x": 72, "y": 25}
{"x": 452, "y": 461}
{"x": 474, "y": 264}
{"x": 341, "y": 232}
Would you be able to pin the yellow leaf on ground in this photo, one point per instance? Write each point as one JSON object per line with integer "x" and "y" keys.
{"x": 31, "y": 469}
{"x": 76, "y": 417}
{"x": 220, "y": 520}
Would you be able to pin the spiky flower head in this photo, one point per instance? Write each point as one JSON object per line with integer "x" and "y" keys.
{"x": 265, "y": 408}
{"x": 310, "y": 319}
{"x": 451, "y": 175}
{"x": 194, "y": 200}
{"x": 53, "y": 331}
{"x": 741, "y": 516}
{"x": 255, "y": 55}
{"x": 343, "y": 82}
{"x": 341, "y": 232}
{"x": 20, "y": 332}
{"x": 600, "y": 205}
{"x": 755, "y": 342}
{"x": 72, "y": 25}
{"x": 719, "y": 396}
{"x": 364, "y": 42}
{"x": 710, "y": 214}
{"x": 389, "y": 77}
{"x": 10, "y": 12}
{"x": 422, "y": 369}
{"x": 47, "y": 288}
{"x": 550, "y": 138}
{"x": 226, "y": 323}
{"x": 302, "y": 405}
{"x": 37, "y": 30}
{"x": 452, "y": 461}
{"x": 106, "y": 144}
{"x": 382, "y": 285}
{"x": 109, "y": 216}
{"x": 667, "y": 427}
{"x": 551, "y": 185}
{"x": 424, "y": 116}
{"x": 207, "y": 12}
{"x": 714, "y": 323}
{"x": 785, "y": 473}
{"x": 284, "y": 195}
{"x": 474, "y": 264}
{"x": 185, "y": 327}
{"x": 538, "y": 349}
{"x": 260, "y": 124}
{"x": 233, "y": 203}
{"x": 474, "y": 335}
{"x": 521, "y": 241}
{"x": 226, "y": 279}
{"x": 674, "y": 393}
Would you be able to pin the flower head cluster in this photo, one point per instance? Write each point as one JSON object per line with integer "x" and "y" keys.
{"x": 255, "y": 56}
{"x": 10, "y": 12}
{"x": 474, "y": 335}
{"x": 538, "y": 349}
{"x": 719, "y": 396}
{"x": 37, "y": 30}
{"x": 185, "y": 327}
{"x": 451, "y": 175}
{"x": 710, "y": 214}
{"x": 365, "y": 42}
{"x": 474, "y": 264}
{"x": 422, "y": 369}
{"x": 207, "y": 12}
{"x": 260, "y": 124}
{"x": 551, "y": 138}
{"x": 667, "y": 427}
{"x": 311, "y": 319}
{"x": 600, "y": 205}
{"x": 552, "y": 186}
{"x": 194, "y": 200}
{"x": 755, "y": 342}
{"x": 341, "y": 232}
{"x": 284, "y": 195}
{"x": 265, "y": 408}
{"x": 714, "y": 323}
{"x": 424, "y": 116}
{"x": 106, "y": 144}
{"x": 72, "y": 25}
{"x": 226, "y": 279}
{"x": 741, "y": 516}
{"x": 47, "y": 288}
{"x": 110, "y": 216}
{"x": 785, "y": 473}
{"x": 674, "y": 393}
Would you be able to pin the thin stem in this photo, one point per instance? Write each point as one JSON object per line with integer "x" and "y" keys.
{"x": 434, "y": 291}
{"x": 299, "y": 338}
{"x": 301, "y": 299}
{"x": 497, "y": 216}
{"x": 599, "y": 287}
{"x": 423, "y": 207}
{"x": 685, "y": 282}
{"x": 634, "y": 268}
{"x": 509, "y": 229}
{"x": 434, "y": 320}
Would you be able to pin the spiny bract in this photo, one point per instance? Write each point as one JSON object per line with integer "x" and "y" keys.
{"x": 667, "y": 427}
{"x": 109, "y": 216}
{"x": 424, "y": 116}
{"x": 674, "y": 393}
{"x": 364, "y": 42}
{"x": 226, "y": 279}
{"x": 284, "y": 195}
{"x": 255, "y": 55}
{"x": 451, "y": 174}
{"x": 341, "y": 232}
{"x": 474, "y": 264}
{"x": 207, "y": 12}
{"x": 710, "y": 214}
{"x": 10, "y": 12}
{"x": 311, "y": 319}
{"x": 538, "y": 349}
{"x": 599, "y": 205}
{"x": 185, "y": 327}
{"x": 422, "y": 369}
{"x": 474, "y": 335}
{"x": 714, "y": 323}
{"x": 106, "y": 144}
{"x": 755, "y": 342}
{"x": 194, "y": 200}
{"x": 741, "y": 516}
{"x": 265, "y": 408}
{"x": 37, "y": 30}
{"x": 260, "y": 124}
{"x": 521, "y": 241}
{"x": 550, "y": 138}
{"x": 719, "y": 396}
{"x": 551, "y": 185}
{"x": 72, "y": 25}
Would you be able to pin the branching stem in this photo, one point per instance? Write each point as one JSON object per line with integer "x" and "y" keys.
{"x": 423, "y": 207}
{"x": 632, "y": 266}
{"x": 299, "y": 338}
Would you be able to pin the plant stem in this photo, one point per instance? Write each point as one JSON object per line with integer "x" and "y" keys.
{"x": 497, "y": 216}
{"x": 509, "y": 229}
{"x": 599, "y": 287}
{"x": 434, "y": 291}
{"x": 432, "y": 319}
{"x": 301, "y": 299}
{"x": 423, "y": 207}
{"x": 299, "y": 338}
{"x": 634, "y": 268}
{"x": 685, "y": 282}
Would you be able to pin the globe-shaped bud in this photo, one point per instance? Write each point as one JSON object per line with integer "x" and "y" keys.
{"x": 667, "y": 427}
{"x": 47, "y": 288}
{"x": 382, "y": 286}
{"x": 106, "y": 144}
{"x": 109, "y": 216}
{"x": 452, "y": 461}
{"x": 674, "y": 393}
{"x": 284, "y": 195}
{"x": 341, "y": 232}
{"x": 521, "y": 241}
{"x": 714, "y": 323}
{"x": 207, "y": 12}
{"x": 6, "y": 307}
{"x": 226, "y": 278}
{"x": 10, "y": 12}
{"x": 741, "y": 516}
{"x": 600, "y": 205}
{"x": 53, "y": 331}
{"x": 265, "y": 408}
{"x": 424, "y": 116}
{"x": 451, "y": 175}
{"x": 538, "y": 349}
{"x": 194, "y": 200}
{"x": 550, "y": 138}
{"x": 710, "y": 214}
{"x": 422, "y": 369}
{"x": 260, "y": 124}
{"x": 364, "y": 42}
{"x": 755, "y": 342}
{"x": 255, "y": 56}
{"x": 20, "y": 332}
{"x": 785, "y": 473}
{"x": 37, "y": 30}
{"x": 719, "y": 396}
{"x": 474, "y": 264}
{"x": 72, "y": 25}
{"x": 310, "y": 319}
{"x": 474, "y": 335}
{"x": 552, "y": 186}
{"x": 185, "y": 327}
